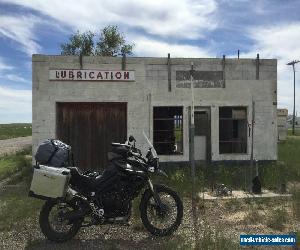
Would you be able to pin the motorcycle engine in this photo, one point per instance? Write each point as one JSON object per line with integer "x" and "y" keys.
{"x": 117, "y": 200}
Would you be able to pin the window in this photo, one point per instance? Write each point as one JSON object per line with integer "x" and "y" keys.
{"x": 168, "y": 130}
{"x": 232, "y": 130}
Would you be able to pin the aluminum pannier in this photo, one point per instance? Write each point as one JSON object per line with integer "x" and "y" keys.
{"x": 49, "y": 182}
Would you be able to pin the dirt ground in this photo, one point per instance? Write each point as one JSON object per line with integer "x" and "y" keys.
{"x": 15, "y": 144}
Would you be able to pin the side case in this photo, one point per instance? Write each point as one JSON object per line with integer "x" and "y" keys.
{"x": 49, "y": 182}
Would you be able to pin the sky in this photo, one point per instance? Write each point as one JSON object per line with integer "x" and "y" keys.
{"x": 184, "y": 28}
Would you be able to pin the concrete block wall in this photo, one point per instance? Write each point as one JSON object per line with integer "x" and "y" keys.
{"x": 150, "y": 89}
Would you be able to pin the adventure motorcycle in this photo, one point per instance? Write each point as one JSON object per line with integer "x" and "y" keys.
{"x": 87, "y": 199}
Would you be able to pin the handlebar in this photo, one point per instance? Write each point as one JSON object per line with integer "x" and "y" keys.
{"x": 151, "y": 163}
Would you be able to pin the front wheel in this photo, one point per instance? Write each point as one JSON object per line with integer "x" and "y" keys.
{"x": 165, "y": 221}
{"x": 52, "y": 224}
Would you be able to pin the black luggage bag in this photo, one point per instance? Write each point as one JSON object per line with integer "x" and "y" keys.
{"x": 53, "y": 153}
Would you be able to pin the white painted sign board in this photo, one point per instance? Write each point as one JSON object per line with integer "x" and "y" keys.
{"x": 91, "y": 75}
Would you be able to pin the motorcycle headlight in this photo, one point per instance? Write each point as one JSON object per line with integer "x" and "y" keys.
{"x": 154, "y": 163}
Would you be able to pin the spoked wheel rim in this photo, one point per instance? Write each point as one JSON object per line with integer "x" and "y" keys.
{"x": 165, "y": 218}
{"x": 56, "y": 219}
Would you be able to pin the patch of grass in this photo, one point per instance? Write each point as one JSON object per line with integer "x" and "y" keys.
{"x": 262, "y": 203}
{"x": 13, "y": 163}
{"x": 272, "y": 175}
{"x": 277, "y": 219}
{"x": 180, "y": 179}
{"x": 215, "y": 239}
{"x": 230, "y": 175}
{"x": 253, "y": 216}
{"x": 297, "y": 132}
{"x": 233, "y": 204}
{"x": 296, "y": 204}
{"x": 287, "y": 169}
{"x": 15, "y": 208}
{"x": 14, "y": 130}
{"x": 288, "y": 152}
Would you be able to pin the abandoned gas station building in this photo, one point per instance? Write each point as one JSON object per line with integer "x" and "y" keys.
{"x": 88, "y": 102}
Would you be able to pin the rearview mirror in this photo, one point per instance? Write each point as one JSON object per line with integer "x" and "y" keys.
{"x": 131, "y": 138}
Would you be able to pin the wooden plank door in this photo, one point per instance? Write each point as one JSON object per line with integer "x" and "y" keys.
{"x": 90, "y": 128}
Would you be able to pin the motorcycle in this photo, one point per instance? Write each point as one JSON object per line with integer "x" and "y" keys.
{"x": 96, "y": 199}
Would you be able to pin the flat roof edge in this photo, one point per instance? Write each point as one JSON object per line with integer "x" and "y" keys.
{"x": 41, "y": 57}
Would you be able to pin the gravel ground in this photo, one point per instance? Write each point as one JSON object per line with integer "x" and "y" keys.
{"x": 15, "y": 144}
{"x": 28, "y": 236}
{"x": 216, "y": 216}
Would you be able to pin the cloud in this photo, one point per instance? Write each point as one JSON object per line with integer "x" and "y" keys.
{"x": 15, "y": 105}
{"x": 20, "y": 29}
{"x": 150, "y": 47}
{"x": 281, "y": 42}
{"x": 4, "y": 66}
{"x": 169, "y": 18}
{"x": 16, "y": 78}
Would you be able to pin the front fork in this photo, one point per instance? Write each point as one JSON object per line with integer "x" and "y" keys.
{"x": 155, "y": 195}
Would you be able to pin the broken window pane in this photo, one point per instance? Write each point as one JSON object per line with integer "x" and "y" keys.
{"x": 232, "y": 130}
{"x": 168, "y": 130}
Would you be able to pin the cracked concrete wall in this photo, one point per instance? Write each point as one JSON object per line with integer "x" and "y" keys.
{"x": 150, "y": 88}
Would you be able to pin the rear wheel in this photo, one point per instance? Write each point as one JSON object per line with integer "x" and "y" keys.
{"x": 52, "y": 223}
{"x": 165, "y": 221}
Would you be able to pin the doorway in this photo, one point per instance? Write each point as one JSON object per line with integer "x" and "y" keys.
{"x": 202, "y": 134}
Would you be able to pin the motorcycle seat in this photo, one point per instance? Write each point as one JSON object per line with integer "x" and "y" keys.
{"x": 80, "y": 177}
{"x": 93, "y": 183}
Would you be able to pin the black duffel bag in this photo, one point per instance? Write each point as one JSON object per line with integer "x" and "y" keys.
{"x": 53, "y": 153}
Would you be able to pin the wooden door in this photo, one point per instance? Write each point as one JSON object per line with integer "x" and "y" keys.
{"x": 90, "y": 128}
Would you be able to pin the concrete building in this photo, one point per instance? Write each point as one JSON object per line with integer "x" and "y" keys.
{"x": 90, "y": 101}
{"x": 282, "y": 124}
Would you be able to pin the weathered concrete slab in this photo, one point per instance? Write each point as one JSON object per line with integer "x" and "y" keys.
{"x": 238, "y": 194}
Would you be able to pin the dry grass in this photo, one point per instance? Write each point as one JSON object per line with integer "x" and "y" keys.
{"x": 277, "y": 218}
{"x": 14, "y": 163}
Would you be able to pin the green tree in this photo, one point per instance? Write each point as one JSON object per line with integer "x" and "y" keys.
{"x": 79, "y": 43}
{"x": 110, "y": 43}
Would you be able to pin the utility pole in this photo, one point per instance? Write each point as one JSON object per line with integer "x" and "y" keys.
{"x": 192, "y": 160}
{"x": 293, "y": 64}
{"x": 252, "y": 143}
{"x": 192, "y": 131}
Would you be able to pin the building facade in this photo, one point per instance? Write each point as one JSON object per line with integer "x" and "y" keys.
{"x": 90, "y": 101}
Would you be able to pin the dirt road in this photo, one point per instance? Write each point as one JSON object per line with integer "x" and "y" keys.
{"x": 15, "y": 144}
